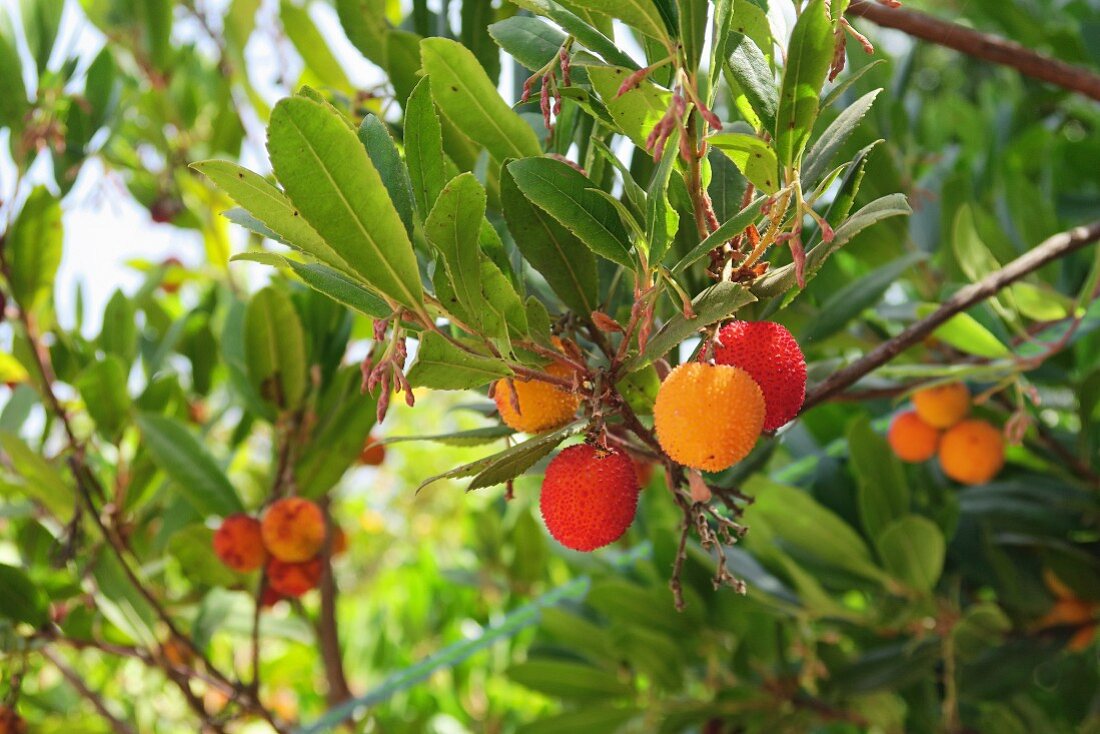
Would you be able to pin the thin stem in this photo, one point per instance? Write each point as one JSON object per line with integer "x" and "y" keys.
{"x": 1058, "y": 246}
{"x": 981, "y": 46}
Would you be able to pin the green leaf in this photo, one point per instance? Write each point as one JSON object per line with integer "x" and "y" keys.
{"x": 193, "y": 471}
{"x": 752, "y": 156}
{"x": 692, "y": 28}
{"x": 383, "y": 154}
{"x": 588, "y": 36}
{"x": 642, "y": 15}
{"x": 857, "y": 296}
{"x": 563, "y": 260}
{"x": 41, "y": 20}
{"x": 441, "y": 365}
{"x": 327, "y": 174}
{"x": 532, "y": 42}
{"x": 476, "y": 16}
{"x": 965, "y": 333}
{"x": 829, "y": 143}
{"x": 102, "y": 386}
{"x": 453, "y": 227}
{"x": 637, "y": 111}
{"x": 13, "y": 91}
{"x": 807, "y": 529}
{"x": 883, "y": 492}
{"x": 717, "y": 302}
{"x": 472, "y": 437}
{"x": 468, "y": 98}
{"x": 782, "y": 279}
{"x": 729, "y": 228}
{"x": 270, "y": 206}
{"x": 21, "y": 601}
{"x": 345, "y": 417}
{"x": 912, "y": 550}
{"x": 662, "y": 220}
{"x": 562, "y": 191}
{"x": 365, "y": 23}
{"x": 275, "y": 348}
{"x": 119, "y": 333}
{"x": 37, "y": 478}
{"x": 512, "y": 462}
{"x": 809, "y": 56}
{"x": 424, "y": 147}
{"x": 311, "y": 45}
{"x": 563, "y": 679}
{"x": 754, "y": 76}
{"x": 324, "y": 279}
{"x": 33, "y": 249}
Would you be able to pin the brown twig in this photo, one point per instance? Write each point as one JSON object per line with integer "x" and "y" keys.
{"x": 1051, "y": 249}
{"x": 328, "y": 637}
{"x": 117, "y": 725}
{"x": 981, "y": 45}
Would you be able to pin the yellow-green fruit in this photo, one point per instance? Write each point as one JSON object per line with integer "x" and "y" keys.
{"x": 639, "y": 389}
{"x": 542, "y": 406}
{"x": 708, "y": 416}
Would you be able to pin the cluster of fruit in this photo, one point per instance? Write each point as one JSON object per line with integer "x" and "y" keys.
{"x": 970, "y": 450}
{"x": 287, "y": 542}
{"x": 707, "y": 416}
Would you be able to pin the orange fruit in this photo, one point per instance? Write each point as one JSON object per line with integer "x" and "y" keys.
{"x": 293, "y": 529}
{"x": 972, "y": 452}
{"x": 942, "y": 406}
{"x": 911, "y": 438}
{"x": 542, "y": 405}
{"x": 238, "y": 543}
{"x": 708, "y": 416}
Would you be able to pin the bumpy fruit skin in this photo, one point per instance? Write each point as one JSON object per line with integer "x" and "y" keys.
{"x": 912, "y": 439}
{"x": 770, "y": 354}
{"x": 942, "y": 406}
{"x": 293, "y": 579}
{"x": 293, "y": 529}
{"x": 11, "y": 722}
{"x": 238, "y": 543}
{"x": 972, "y": 452}
{"x": 589, "y": 496}
{"x": 708, "y": 416}
{"x": 373, "y": 453}
{"x": 543, "y": 407}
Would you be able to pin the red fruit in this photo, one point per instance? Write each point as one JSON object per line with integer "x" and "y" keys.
{"x": 373, "y": 453}
{"x": 589, "y": 496}
{"x": 270, "y": 597}
{"x": 293, "y": 529}
{"x": 293, "y": 579}
{"x": 239, "y": 544}
{"x": 772, "y": 357}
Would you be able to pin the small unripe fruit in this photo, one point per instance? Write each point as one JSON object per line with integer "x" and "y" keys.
{"x": 11, "y": 722}
{"x": 373, "y": 453}
{"x": 972, "y": 452}
{"x": 293, "y": 529}
{"x": 942, "y": 406}
{"x": 708, "y": 416}
{"x": 911, "y": 438}
{"x": 293, "y": 579}
{"x": 589, "y": 496}
{"x": 772, "y": 357}
{"x": 542, "y": 406}
{"x": 238, "y": 543}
